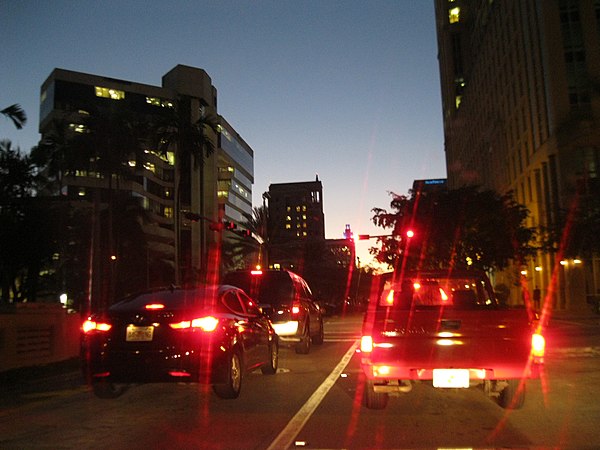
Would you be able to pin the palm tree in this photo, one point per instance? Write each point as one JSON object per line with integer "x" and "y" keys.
{"x": 16, "y": 114}
{"x": 245, "y": 247}
{"x": 191, "y": 139}
{"x": 107, "y": 141}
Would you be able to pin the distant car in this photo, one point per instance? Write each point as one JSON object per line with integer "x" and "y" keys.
{"x": 288, "y": 301}
{"x": 209, "y": 335}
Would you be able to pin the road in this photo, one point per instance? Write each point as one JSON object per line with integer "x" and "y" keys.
{"x": 314, "y": 402}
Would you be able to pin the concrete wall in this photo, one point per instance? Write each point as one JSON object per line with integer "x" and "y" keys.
{"x": 34, "y": 334}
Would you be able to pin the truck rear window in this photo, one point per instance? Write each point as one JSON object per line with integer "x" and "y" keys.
{"x": 425, "y": 293}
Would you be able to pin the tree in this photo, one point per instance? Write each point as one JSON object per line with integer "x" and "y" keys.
{"x": 16, "y": 114}
{"x": 461, "y": 228}
{"x": 102, "y": 145}
{"x": 190, "y": 138}
{"x": 252, "y": 244}
{"x": 23, "y": 247}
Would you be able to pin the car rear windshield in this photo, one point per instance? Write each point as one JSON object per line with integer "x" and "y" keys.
{"x": 427, "y": 293}
{"x": 272, "y": 288}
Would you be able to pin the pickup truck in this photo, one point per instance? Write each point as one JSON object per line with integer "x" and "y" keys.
{"x": 446, "y": 328}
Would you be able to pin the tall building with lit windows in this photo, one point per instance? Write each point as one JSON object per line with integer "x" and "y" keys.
{"x": 296, "y": 211}
{"x": 178, "y": 233}
{"x": 521, "y": 109}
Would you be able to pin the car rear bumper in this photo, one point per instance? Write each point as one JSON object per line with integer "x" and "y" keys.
{"x": 382, "y": 371}
{"x": 145, "y": 367}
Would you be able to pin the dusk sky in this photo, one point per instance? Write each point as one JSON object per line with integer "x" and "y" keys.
{"x": 346, "y": 90}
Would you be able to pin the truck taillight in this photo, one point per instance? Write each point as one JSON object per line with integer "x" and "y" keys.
{"x": 538, "y": 345}
{"x": 366, "y": 344}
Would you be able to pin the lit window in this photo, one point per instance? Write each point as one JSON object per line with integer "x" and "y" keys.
{"x": 454, "y": 15}
{"x": 132, "y": 163}
{"x": 297, "y": 209}
{"x": 458, "y": 100}
{"x": 288, "y": 226}
{"x": 288, "y": 218}
{"x": 113, "y": 94}
{"x": 149, "y": 166}
{"x": 78, "y": 128}
{"x": 171, "y": 158}
{"x": 223, "y": 194}
{"x": 168, "y": 212}
{"x": 81, "y": 192}
{"x": 154, "y": 101}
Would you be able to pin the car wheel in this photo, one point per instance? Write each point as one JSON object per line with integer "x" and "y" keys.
{"x": 372, "y": 399}
{"x": 232, "y": 387}
{"x": 513, "y": 395}
{"x": 320, "y": 337}
{"x": 303, "y": 347}
{"x": 106, "y": 389}
{"x": 271, "y": 367}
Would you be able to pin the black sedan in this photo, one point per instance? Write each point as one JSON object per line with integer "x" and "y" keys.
{"x": 210, "y": 335}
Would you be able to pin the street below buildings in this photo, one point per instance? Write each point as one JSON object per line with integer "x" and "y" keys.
{"x": 314, "y": 401}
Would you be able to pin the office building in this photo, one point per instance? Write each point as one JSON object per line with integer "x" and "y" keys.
{"x": 181, "y": 188}
{"x": 519, "y": 84}
{"x": 296, "y": 211}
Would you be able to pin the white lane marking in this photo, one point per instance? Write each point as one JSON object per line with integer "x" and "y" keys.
{"x": 291, "y": 430}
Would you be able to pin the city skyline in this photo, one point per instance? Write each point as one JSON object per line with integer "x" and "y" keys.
{"x": 335, "y": 89}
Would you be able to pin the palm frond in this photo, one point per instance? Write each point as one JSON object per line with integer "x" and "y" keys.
{"x": 16, "y": 114}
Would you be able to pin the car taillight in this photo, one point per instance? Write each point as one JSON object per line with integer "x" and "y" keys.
{"x": 208, "y": 324}
{"x": 366, "y": 344}
{"x": 91, "y": 325}
{"x": 154, "y": 306}
{"x": 538, "y": 345}
{"x": 295, "y": 309}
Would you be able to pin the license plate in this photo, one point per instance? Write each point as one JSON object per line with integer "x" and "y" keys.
{"x": 139, "y": 334}
{"x": 451, "y": 378}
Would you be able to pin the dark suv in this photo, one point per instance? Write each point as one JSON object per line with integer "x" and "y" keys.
{"x": 288, "y": 301}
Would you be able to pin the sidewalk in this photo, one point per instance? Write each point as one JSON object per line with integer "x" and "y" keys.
{"x": 575, "y": 316}
{"x": 19, "y": 386}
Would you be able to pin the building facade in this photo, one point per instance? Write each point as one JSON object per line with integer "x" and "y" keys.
{"x": 168, "y": 178}
{"x": 519, "y": 84}
{"x": 296, "y": 211}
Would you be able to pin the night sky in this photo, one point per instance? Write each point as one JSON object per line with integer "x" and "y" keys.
{"x": 346, "y": 90}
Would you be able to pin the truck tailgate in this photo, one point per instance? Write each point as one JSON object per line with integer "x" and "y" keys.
{"x": 496, "y": 343}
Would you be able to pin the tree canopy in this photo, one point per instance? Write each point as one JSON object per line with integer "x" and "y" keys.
{"x": 461, "y": 228}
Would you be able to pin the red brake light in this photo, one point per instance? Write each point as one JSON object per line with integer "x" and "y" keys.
{"x": 389, "y": 299}
{"x": 91, "y": 325}
{"x": 208, "y": 324}
{"x": 366, "y": 344}
{"x": 538, "y": 345}
{"x": 155, "y": 306}
{"x": 256, "y": 272}
{"x": 295, "y": 309}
